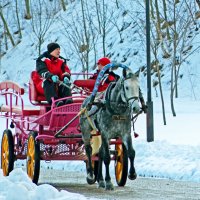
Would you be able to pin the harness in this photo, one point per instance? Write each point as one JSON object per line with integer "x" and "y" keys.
{"x": 129, "y": 76}
{"x": 123, "y": 106}
{"x": 115, "y": 109}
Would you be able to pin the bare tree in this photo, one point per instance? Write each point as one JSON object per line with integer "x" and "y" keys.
{"x": 18, "y": 20}
{"x": 42, "y": 18}
{"x": 63, "y": 5}
{"x": 86, "y": 36}
{"x": 173, "y": 30}
{"x": 7, "y": 31}
{"x": 28, "y": 10}
{"x": 183, "y": 32}
{"x": 104, "y": 16}
{"x": 157, "y": 68}
{"x": 79, "y": 31}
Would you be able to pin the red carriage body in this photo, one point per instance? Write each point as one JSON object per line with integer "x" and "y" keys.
{"x": 43, "y": 132}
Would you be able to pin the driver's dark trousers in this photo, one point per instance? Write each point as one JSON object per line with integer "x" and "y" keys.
{"x": 55, "y": 90}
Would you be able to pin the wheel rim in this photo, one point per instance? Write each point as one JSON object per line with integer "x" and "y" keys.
{"x": 119, "y": 162}
{"x": 5, "y": 155}
{"x": 31, "y": 157}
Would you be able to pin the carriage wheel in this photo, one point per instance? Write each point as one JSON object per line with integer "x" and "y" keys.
{"x": 7, "y": 152}
{"x": 33, "y": 158}
{"x": 95, "y": 165}
{"x": 121, "y": 164}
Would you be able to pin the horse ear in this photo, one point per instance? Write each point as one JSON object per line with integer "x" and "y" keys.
{"x": 137, "y": 73}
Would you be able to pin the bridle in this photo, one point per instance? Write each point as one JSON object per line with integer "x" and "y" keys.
{"x": 124, "y": 104}
{"x": 123, "y": 94}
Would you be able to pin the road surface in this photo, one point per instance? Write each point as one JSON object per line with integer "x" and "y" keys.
{"x": 141, "y": 188}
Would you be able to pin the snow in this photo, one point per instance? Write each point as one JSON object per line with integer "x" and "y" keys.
{"x": 175, "y": 153}
{"x": 18, "y": 186}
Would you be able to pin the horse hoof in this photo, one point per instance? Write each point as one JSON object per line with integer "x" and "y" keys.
{"x": 132, "y": 176}
{"x": 101, "y": 184}
{"x": 90, "y": 180}
{"x": 109, "y": 186}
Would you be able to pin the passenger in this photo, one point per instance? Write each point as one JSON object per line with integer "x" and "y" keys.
{"x": 52, "y": 68}
{"x": 109, "y": 76}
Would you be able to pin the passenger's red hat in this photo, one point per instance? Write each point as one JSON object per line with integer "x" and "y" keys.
{"x": 103, "y": 61}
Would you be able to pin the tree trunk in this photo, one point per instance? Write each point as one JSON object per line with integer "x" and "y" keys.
{"x": 161, "y": 95}
{"x": 6, "y": 28}
{"x": 152, "y": 10}
{"x": 98, "y": 16}
{"x": 117, "y": 3}
{"x": 173, "y": 66}
{"x": 63, "y": 5}
{"x": 166, "y": 19}
{"x": 18, "y": 21}
{"x": 104, "y": 30}
{"x": 28, "y": 13}
{"x": 158, "y": 28}
{"x": 86, "y": 40}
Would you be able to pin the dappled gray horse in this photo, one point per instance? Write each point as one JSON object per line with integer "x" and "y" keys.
{"x": 120, "y": 100}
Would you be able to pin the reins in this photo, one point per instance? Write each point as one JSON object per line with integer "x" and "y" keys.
{"x": 134, "y": 119}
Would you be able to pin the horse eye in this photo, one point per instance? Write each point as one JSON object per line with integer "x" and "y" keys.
{"x": 126, "y": 87}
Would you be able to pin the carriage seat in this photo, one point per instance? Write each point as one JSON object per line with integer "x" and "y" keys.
{"x": 34, "y": 97}
{"x": 39, "y": 99}
{"x": 13, "y": 100}
{"x": 85, "y": 84}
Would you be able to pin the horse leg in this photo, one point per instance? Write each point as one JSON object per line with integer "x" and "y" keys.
{"x": 90, "y": 174}
{"x": 106, "y": 158}
{"x": 131, "y": 154}
{"x": 100, "y": 174}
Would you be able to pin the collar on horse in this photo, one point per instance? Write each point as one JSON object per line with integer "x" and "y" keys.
{"x": 108, "y": 103}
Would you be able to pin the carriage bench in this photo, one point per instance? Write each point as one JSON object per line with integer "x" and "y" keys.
{"x": 13, "y": 100}
{"x": 85, "y": 84}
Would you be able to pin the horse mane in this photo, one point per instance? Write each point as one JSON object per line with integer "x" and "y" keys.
{"x": 122, "y": 106}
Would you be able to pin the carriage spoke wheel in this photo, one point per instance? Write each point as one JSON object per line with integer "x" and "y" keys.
{"x": 7, "y": 152}
{"x": 121, "y": 164}
{"x": 33, "y": 158}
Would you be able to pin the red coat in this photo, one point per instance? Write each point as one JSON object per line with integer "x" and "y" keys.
{"x": 46, "y": 67}
{"x": 106, "y": 80}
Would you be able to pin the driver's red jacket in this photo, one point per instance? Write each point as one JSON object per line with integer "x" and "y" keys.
{"x": 46, "y": 67}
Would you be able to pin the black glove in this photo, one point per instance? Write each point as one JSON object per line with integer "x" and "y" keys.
{"x": 66, "y": 81}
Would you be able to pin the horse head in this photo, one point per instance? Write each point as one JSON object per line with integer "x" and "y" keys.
{"x": 130, "y": 90}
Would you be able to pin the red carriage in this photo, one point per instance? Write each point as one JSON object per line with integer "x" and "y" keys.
{"x": 43, "y": 132}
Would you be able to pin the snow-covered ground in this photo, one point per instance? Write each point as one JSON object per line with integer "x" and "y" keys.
{"x": 175, "y": 154}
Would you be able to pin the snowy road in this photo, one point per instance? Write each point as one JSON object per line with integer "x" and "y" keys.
{"x": 142, "y": 188}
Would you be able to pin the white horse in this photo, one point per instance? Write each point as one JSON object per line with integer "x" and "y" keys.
{"x": 121, "y": 98}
